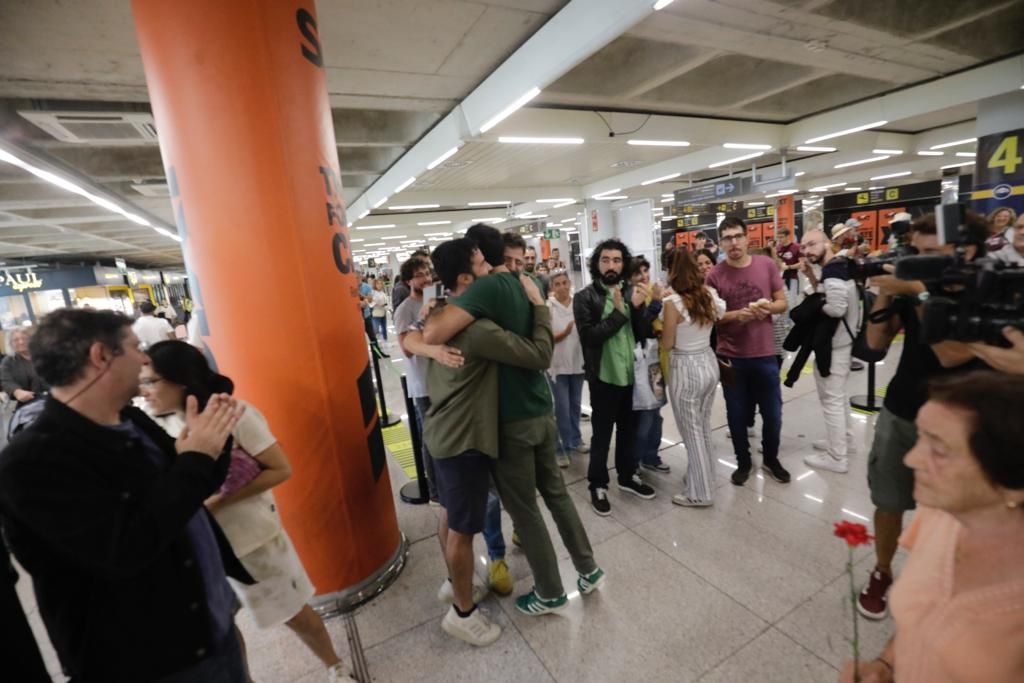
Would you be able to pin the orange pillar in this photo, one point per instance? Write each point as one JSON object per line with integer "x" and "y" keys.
{"x": 240, "y": 100}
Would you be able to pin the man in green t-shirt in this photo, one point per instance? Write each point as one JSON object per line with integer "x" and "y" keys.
{"x": 527, "y": 436}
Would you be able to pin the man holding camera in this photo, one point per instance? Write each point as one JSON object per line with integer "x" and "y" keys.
{"x": 891, "y": 482}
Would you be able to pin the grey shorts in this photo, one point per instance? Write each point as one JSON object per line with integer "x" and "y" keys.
{"x": 891, "y": 482}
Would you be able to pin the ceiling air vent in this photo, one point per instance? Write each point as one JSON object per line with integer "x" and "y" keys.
{"x": 107, "y": 128}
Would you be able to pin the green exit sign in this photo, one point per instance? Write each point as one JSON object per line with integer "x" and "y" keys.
{"x": 552, "y": 234}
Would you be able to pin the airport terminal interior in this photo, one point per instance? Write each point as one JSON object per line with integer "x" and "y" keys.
{"x": 173, "y": 160}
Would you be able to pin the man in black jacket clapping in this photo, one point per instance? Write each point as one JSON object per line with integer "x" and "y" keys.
{"x": 105, "y": 511}
{"x": 610, "y": 318}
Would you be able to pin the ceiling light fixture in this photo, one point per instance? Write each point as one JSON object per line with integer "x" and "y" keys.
{"x": 600, "y": 195}
{"x": 891, "y": 175}
{"x": 404, "y": 185}
{"x": 612, "y": 197}
{"x": 666, "y": 201}
{"x": 393, "y": 237}
{"x": 822, "y": 188}
{"x": 363, "y": 215}
{"x": 409, "y": 207}
{"x": 887, "y": 151}
{"x": 658, "y": 143}
{"x": 966, "y": 154}
{"x": 855, "y": 129}
{"x": 357, "y": 239}
{"x": 443, "y": 158}
{"x": 876, "y": 187}
{"x": 661, "y": 179}
{"x": 501, "y": 203}
{"x": 532, "y": 215}
{"x": 376, "y": 227}
{"x": 435, "y": 223}
{"x": 436, "y": 234}
{"x": 529, "y": 140}
{"x": 380, "y": 202}
{"x": 805, "y": 148}
{"x": 662, "y": 4}
{"x": 852, "y": 189}
{"x": 374, "y": 244}
{"x": 487, "y": 219}
{"x": 755, "y": 203}
{"x": 799, "y": 173}
{"x": 869, "y": 160}
{"x": 924, "y": 153}
{"x": 744, "y": 145}
{"x": 510, "y": 109}
{"x": 944, "y": 145}
{"x": 568, "y": 202}
{"x": 554, "y": 201}
{"x": 736, "y": 159}
{"x": 963, "y": 163}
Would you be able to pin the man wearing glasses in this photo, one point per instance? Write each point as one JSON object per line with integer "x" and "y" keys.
{"x": 753, "y": 292}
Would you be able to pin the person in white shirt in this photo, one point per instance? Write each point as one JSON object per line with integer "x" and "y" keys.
{"x": 566, "y": 371}
{"x": 691, "y": 312}
{"x": 149, "y": 328}
{"x": 1013, "y": 253}
{"x": 841, "y": 301}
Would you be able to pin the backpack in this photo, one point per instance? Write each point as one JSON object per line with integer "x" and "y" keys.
{"x": 25, "y": 415}
{"x": 861, "y": 349}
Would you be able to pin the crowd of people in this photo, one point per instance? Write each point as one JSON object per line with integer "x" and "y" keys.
{"x": 142, "y": 480}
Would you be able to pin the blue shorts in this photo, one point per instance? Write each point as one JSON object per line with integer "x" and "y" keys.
{"x": 462, "y": 484}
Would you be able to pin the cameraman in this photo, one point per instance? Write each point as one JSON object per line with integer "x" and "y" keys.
{"x": 891, "y": 482}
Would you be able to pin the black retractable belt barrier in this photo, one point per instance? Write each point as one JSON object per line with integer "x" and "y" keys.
{"x": 868, "y": 403}
{"x": 414, "y": 492}
{"x": 385, "y": 420}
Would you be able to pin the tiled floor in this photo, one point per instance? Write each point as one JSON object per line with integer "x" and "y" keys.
{"x": 752, "y": 589}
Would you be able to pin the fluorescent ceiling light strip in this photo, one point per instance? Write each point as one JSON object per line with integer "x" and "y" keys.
{"x": 755, "y": 203}
{"x": 436, "y": 234}
{"x": 737, "y": 159}
{"x": 443, "y": 158}
{"x": 869, "y": 160}
{"x": 853, "y": 189}
{"x": 408, "y": 207}
{"x": 855, "y": 129}
{"x": 891, "y": 175}
{"x": 559, "y": 200}
{"x": 363, "y": 215}
{"x": 404, "y": 185}
{"x": 799, "y": 173}
{"x": 658, "y": 143}
{"x": 434, "y": 223}
{"x": 822, "y": 188}
{"x": 613, "y": 197}
{"x": 487, "y": 219}
{"x": 744, "y": 145}
{"x": 964, "y": 163}
{"x": 376, "y": 227}
{"x": 966, "y": 154}
{"x": 527, "y": 140}
{"x": 380, "y": 202}
{"x": 510, "y": 109}
{"x": 531, "y": 215}
{"x": 887, "y": 151}
{"x": 394, "y": 237}
{"x": 924, "y": 153}
{"x": 501, "y": 203}
{"x": 670, "y": 176}
{"x": 944, "y": 145}
{"x": 805, "y": 148}
{"x": 374, "y": 244}
{"x": 568, "y": 202}
{"x": 357, "y": 239}
{"x": 601, "y": 194}
{"x": 662, "y": 4}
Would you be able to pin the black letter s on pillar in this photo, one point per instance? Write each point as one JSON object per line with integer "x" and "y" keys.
{"x": 307, "y": 27}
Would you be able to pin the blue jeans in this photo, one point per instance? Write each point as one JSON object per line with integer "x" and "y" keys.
{"x": 492, "y": 527}
{"x": 380, "y": 325}
{"x": 756, "y": 383}
{"x": 648, "y": 436}
{"x": 568, "y": 392}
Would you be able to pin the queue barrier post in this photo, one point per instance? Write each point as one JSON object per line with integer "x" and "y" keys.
{"x": 414, "y": 492}
{"x": 385, "y": 419}
{"x": 869, "y": 402}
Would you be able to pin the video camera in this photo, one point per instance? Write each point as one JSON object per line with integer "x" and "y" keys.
{"x": 967, "y": 300}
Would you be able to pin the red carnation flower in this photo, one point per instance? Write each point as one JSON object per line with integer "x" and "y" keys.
{"x": 853, "y": 534}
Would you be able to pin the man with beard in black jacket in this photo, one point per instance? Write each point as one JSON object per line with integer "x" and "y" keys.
{"x": 610, "y": 318}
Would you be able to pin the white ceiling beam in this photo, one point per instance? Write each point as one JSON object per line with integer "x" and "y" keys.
{"x": 581, "y": 28}
{"x": 969, "y": 86}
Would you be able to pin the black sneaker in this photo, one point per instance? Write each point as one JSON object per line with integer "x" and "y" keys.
{"x": 599, "y": 501}
{"x": 740, "y": 476}
{"x": 660, "y": 467}
{"x": 637, "y": 487}
{"x": 776, "y": 471}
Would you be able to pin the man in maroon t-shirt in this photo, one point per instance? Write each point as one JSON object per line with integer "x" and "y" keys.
{"x": 789, "y": 253}
{"x": 753, "y": 291}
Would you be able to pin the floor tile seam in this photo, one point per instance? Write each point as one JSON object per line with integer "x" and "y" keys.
{"x": 804, "y": 647}
{"x": 526, "y": 640}
{"x": 723, "y": 660}
{"x": 809, "y": 598}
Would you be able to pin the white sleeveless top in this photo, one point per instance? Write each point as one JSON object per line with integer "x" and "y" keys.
{"x": 692, "y": 337}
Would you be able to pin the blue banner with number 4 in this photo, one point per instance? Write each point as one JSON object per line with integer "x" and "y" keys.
{"x": 999, "y": 172}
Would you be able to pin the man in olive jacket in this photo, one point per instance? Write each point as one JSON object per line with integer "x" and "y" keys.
{"x": 105, "y": 511}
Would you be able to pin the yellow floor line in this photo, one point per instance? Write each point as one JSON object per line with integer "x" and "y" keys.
{"x": 399, "y": 442}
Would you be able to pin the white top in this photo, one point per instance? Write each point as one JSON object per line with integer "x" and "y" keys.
{"x": 692, "y": 337}
{"x": 404, "y": 317}
{"x": 150, "y": 330}
{"x": 567, "y": 358}
{"x": 380, "y": 303}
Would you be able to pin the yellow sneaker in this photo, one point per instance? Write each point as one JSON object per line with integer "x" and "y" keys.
{"x": 500, "y": 579}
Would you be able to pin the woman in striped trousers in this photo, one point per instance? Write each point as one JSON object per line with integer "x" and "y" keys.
{"x": 690, "y": 316}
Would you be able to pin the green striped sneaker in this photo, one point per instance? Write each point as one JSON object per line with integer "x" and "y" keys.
{"x": 534, "y": 606}
{"x": 591, "y": 582}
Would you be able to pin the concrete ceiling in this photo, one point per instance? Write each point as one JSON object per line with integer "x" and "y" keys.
{"x": 706, "y": 71}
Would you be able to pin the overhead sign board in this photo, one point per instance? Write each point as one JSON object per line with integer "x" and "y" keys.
{"x": 713, "y": 192}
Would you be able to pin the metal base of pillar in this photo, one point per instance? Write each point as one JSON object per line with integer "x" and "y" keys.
{"x": 345, "y": 601}
{"x": 411, "y": 494}
{"x": 871, "y": 404}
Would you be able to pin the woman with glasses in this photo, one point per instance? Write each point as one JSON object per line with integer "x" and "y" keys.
{"x": 244, "y": 507}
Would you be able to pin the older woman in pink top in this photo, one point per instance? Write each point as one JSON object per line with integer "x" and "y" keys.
{"x": 959, "y": 602}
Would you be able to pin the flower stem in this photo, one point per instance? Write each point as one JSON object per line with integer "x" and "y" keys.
{"x": 853, "y": 605}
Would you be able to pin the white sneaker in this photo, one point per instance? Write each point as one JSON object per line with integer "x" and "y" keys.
{"x": 337, "y": 674}
{"x": 824, "y": 461}
{"x": 476, "y": 629}
{"x": 446, "y": 596}
{"x": 562, "y": 460}
{"x": 822, "y": 445}
{"x": 582, "y": 448}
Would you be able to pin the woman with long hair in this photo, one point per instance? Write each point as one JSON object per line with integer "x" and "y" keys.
{"x": 690, "y": 316}
{"x": 244, "y": 507}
